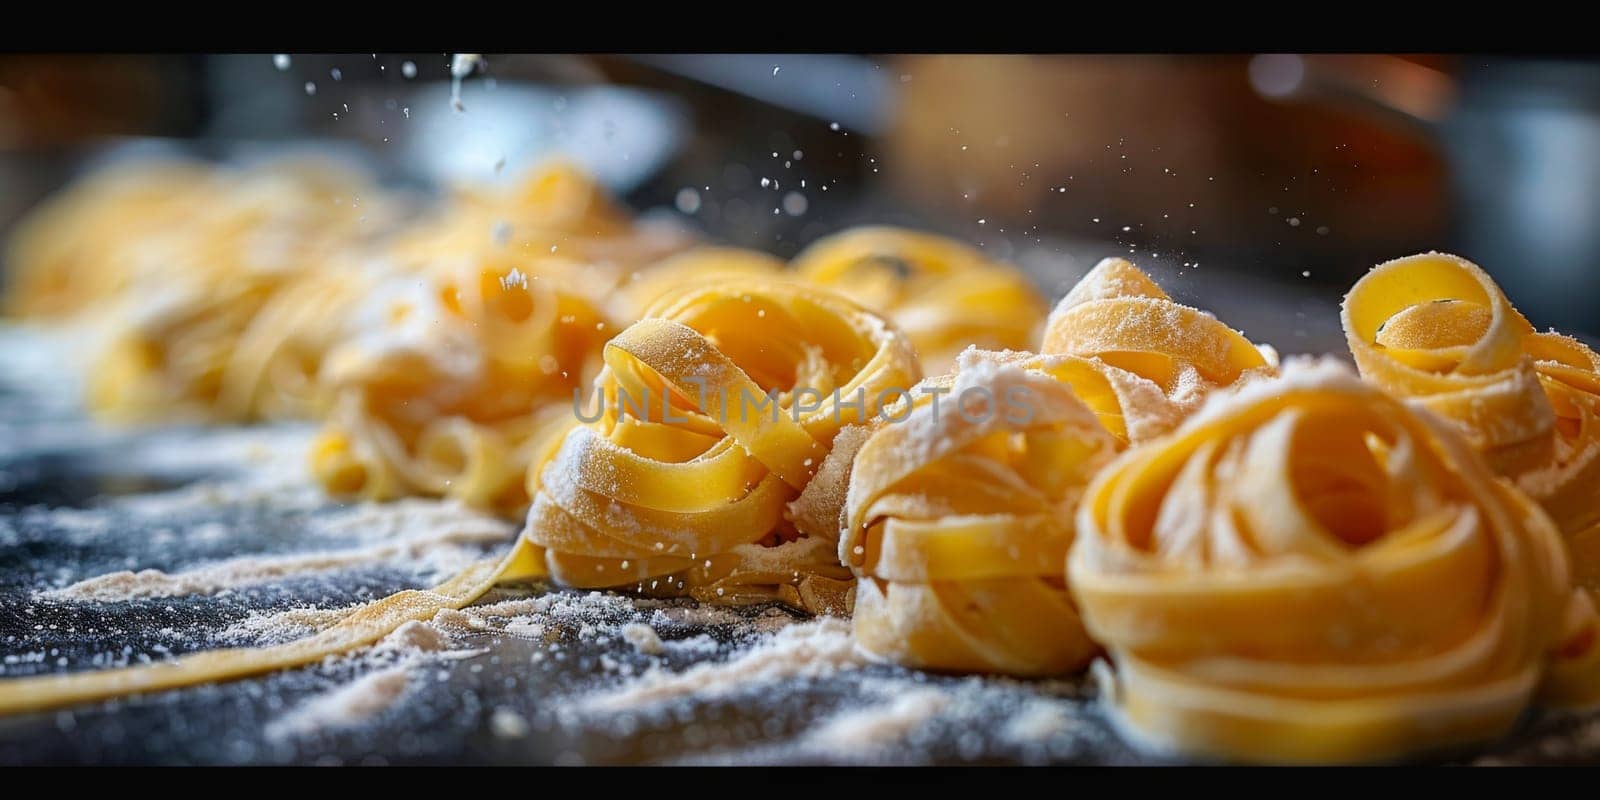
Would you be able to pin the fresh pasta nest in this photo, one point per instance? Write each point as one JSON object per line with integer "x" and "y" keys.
{"x": 1436, "y": 329}
{"x": 177, "y": 302}
{"x": 714, "y": 412}
{"x": 945, "y": 295}
{"x": 1311, "y": 571}
{"x": 1164, "y": 358}
{"x": 453, "y": 384}
{"x": 959, "y": 518}
{"x": 959, "y": 529}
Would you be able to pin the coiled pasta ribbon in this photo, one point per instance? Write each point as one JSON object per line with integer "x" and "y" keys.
{"x": 454, "y": 382}
{"x": 1311, "y": 571}
{"x": 1436, "y": 329}
{"x": 1158, "y": 359}
{"x": 716, "y": 410}
{"x": 943, "y": 294}
{"x": 960, "y": 515}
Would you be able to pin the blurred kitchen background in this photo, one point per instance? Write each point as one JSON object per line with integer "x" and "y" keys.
{"x": 1259, "y": 186}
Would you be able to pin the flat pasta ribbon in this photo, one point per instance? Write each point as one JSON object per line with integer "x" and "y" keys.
{"x": 715, "y": 411}
{"x": 960, "y": 514}
{"x": 942, "y": 293}
{"x": 361, "y": 627}
{"x": 1436, "y": 329}
{"x": 1312, "y": 571}
{"x": 1159, "y": 359}
{"x": 454, "y": 382}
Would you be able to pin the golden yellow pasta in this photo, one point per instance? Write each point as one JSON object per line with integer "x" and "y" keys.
{"x": 942, "y": 293}
{"x": 360, "y": 627}
{"x": 555, "y": 210}
{"x": 453, "y": 380}
{"x": 186, "y": 292}
{"x": 1311, "y": 571}
{"x": 712, "y": 413}
{"x": 700, "y": 265}
{"x": 1158, "y": 358}
{"x": 82, "y": 246}
{"x": 1436, "y": 329}
{"x": 960, "y": 515}
{"x": 272, "y": 366}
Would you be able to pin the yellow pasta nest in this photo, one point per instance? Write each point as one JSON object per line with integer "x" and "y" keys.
{"x": 1160, "y": 359}
{"x": 960, "y": 531}
{"x": 712, "y": 413}
{"x": 943, "y": 294}
{"x": 453, "y": 380}
{"x": 187, "y": 292}
{"x": 960, "y": 515}
{"x": 1311, "y": 571}
{"x": 80, "y": 247}
{"x": 556, "y": 210}
{"x": 1436, "y": 329}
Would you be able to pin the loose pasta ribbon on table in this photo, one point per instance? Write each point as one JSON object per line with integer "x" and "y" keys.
{"x": 452, "y": 383}
{"x": 711, "y": 415}
{"x": 1158, "y": 359}
{"x": 1312, "y": 571}
{"x": 960, "y": 514}
{"x": 942, "y": 293}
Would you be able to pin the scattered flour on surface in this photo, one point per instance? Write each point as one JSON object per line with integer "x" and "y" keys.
{"x": 347, "y": 706}
{"x": 506, "y": 723}
{"x": 698, "y": 616}
{"x": 273, "y": 627}
{"x": 861, "y": 732}
{"x": 813, "y": 649}
{"x": 1039, "y": 720}
{"x": 438, "y": 539}
{"x": 643, "y": 638}
{"x": 412, "y": 638}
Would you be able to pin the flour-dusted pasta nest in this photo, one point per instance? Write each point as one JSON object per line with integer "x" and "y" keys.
{"x": 176, "y": 302}
{"x": 958, "y": 523}
{"x": 454, "y": 382}
{"x": 1167, "y": 357}
{"x": 712, "y": 414}
{"x": 959, "y": 518}
{"x": 1436, "y": 329}
{"x": 1311, "y": 571}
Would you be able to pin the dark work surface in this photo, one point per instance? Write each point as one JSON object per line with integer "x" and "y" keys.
{"x": 76, "y": 502}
